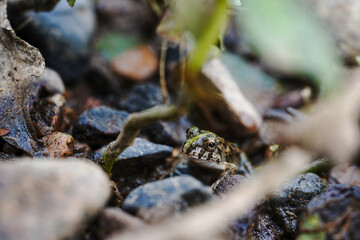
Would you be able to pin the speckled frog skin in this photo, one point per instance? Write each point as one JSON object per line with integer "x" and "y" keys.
{"x": 209, "y": 150}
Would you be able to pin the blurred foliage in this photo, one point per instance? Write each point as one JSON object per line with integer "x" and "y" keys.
{"x": 310, "y": 224}
{"x": 246, "y": 73}
{"x": 288, "y": 38}
{"x": 71, "y": 2}
{"x": 112, "y": 44}
{"x": 197, "y": 23}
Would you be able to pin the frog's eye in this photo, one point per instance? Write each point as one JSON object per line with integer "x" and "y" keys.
{"x": 211, "y": 144}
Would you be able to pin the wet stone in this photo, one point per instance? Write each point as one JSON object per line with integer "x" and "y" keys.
{"x": 158, "y": 200}
{"x": 136, "y": 158}
{"x": 338, "y": 210}
{"x": 100, "y": 125}
{"x": 44, "y": 199}
{"x": 141, "y": 97}
{"x": 137, "y": 64}
{"x": 59, "y": 145}
{"x": 63, "y": 36}
{"x": 113, "y": 220}
{"x": 290, "y": 201}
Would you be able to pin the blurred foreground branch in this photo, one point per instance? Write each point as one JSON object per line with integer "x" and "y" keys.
{"x": 135, "y": 122}
{"x": 208, "y": 220}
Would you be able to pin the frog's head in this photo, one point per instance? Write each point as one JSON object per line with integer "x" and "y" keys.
{"x": 203, "y": 145}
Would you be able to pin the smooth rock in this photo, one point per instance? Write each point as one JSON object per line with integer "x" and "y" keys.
{"x": 45, "y": 199}
{"x": 115, "y": 220}
{"x": 157, "y": 200}
{"x": 170, "y": 133}
{"x": 59, "y": 145}
{"x": 290, "y": 201}
{"x": 63, "y": 36}
{"x": 137, "y": 64}
{"x": 136, "y": 158}
{"x": 338, "y": 212}
{"x": 99, "y": 125}
{"x": 342, "y": 18}
{"x": 141, "y": 97}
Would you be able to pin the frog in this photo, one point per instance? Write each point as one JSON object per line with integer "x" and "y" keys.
{"x": 209, "y": 150}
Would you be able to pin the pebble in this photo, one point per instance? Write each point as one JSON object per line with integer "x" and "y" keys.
{"x": 229, "y": 184}
{"x": 59, "y": 145}
{"x": 99, "y": 126}
{"x": 265, "y": 228}
{"x": 338, "y": 212}
{"x": 136, "y": 64}
{"x": 141, "y": 97}
{"x": 63, "y": 36}
{"x": 136, "y": 158}
{"x": 44, "y": 199}
{"x": 115, "y": 220}
{"x": 290, "y": 201}
{"x": 157, "y": 200}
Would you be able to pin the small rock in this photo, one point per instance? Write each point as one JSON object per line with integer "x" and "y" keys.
{"x": 141, "y": 97}
{"x": 337, "y": 209}
{"x": 136, "y": 158}
{"x": 289, "y": 202}
{"x": 229, "y": 184}
{"x": 44, "y": 199}
{"x": 99, "y": 126}
{"x": 63, "y": 36}
{"x": 171, "y": 133}
{"x": 59, "y": 145}
{"x": 81, "y": 149}
{"x": 115, "y": 220}
{"x": 343, "y": 21}
{"x": 345, "y": 174}
{"x": 52, "y": 81}
{"x": 157, "y": 200}
{"x": 137, "y": 64}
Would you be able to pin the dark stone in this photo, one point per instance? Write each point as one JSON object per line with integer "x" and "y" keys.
{"x": 338, "y": 209}
{"x": 229, "y": 184}
{"x": 100, "y": 125}
{"x": 157, "y": 200}
{"x": 290, "y": 201}
{"x": 136, "y": 158}
{"x": 170, "y": 133}
{"x": 141, "y": 97}
{"x": 62, "y": 35}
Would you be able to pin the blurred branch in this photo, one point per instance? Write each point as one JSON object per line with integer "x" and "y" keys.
{"x": 135, "y": 122}
{"x": 162, "y": 71}
{"x": 208, "y": 220}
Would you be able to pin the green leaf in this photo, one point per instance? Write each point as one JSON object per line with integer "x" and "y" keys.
{"x": 288, "y": 38}
{"x": 71, "y": 2}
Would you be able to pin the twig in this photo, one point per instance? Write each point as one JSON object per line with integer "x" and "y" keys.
{"x": 135, "y": 122}
{"x": 164, "y": 91}
{"x": 210, "y": 219}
